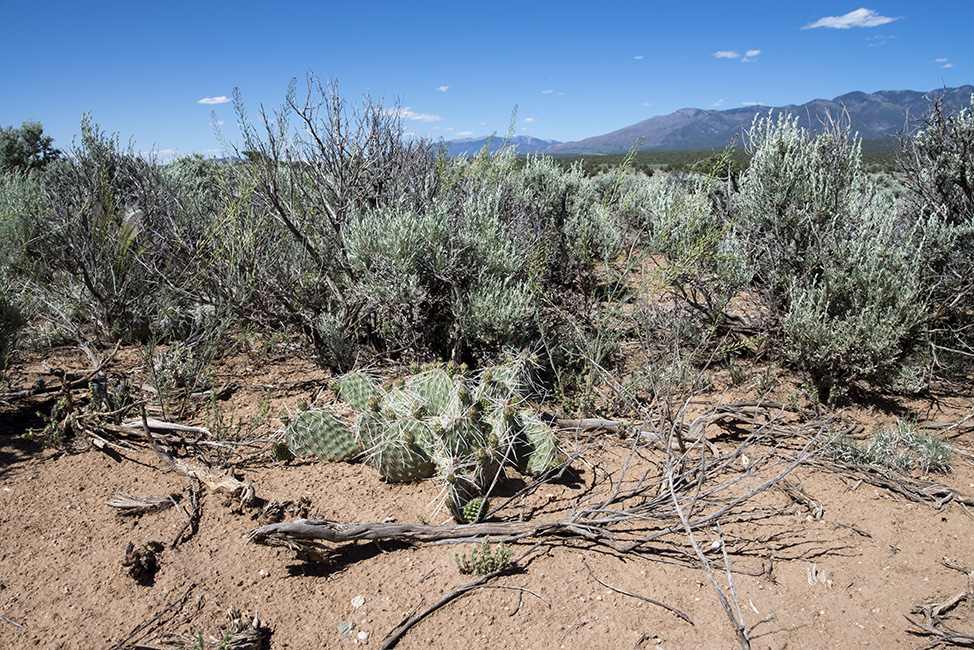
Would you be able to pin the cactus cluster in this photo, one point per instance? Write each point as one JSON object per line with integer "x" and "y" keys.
{"x": 439, "y": 423}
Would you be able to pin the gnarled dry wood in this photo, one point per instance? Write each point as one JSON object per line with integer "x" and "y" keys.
{"x": 336, "y": 533}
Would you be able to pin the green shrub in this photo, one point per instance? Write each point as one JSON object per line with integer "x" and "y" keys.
{"x": 898, "y": 447}
{"x": 936, "y": 166}
{"x": 113, "y": 246}
{"x": 11, "y": 320}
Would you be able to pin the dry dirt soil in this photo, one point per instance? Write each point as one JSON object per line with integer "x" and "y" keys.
{"x": 841, "y": 567}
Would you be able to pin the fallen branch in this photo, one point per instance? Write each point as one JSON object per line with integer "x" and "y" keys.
{"x": 65, "y": 385}
{"x": 637, "y": 596}
{"x": 133, "y": 504}
{"x": 175, "y": 606}
{"x": 397, "y": 633}
{"x": 336, "y": 533}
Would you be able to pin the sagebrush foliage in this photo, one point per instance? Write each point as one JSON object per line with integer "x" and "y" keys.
{"x": 331, "y": 223}
{"x": 832, "y": 265}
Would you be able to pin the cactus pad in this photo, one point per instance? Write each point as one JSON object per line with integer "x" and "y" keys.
{"x": 320, "y": 433}
{"x": 357, "y": 389}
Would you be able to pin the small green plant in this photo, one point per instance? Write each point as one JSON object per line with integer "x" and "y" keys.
{"x": 900, "y": 447}
{"x": 484, "y": 560}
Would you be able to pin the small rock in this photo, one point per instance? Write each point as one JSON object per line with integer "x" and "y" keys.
{"x": 363, "y": 635}
{"x": 358, "y": 601}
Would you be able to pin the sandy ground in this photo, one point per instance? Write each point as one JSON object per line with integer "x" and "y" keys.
{"x": 844, "y": 579}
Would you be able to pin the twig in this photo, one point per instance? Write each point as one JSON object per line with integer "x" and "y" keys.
{"x": 194, "y": 516}
{"x": 646, "y": 598}
{"x": 739, "y": 630}
{"x": 133, "y": 504}
{"x": 523, "y": 590}
{"x": 11, "y": 621}
{"x": 148, "y": 434}
{"x": 78, "y": 383}
{"x": 400, "y": 630}
{"x": 176, "y": 604}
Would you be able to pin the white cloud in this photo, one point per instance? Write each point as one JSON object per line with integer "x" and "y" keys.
{"x": 465, "y": 133}
{"x": 752, "y": 103}
{"x": 638, "y": 57}
{"x": 214, "y": 100}
{"x": 483, "y": 124}
{"x": 751, "y": 55}
{"x": 859, "y": 18}
{"x": 529, "y": 120}
{"x": 727, "y": 54}
{"x": 947, "y": 65}
{"x": 547, "y": 92}
{"x": 647, "y": 103}
{"x": 443, "y": 89}
{"x": 407, "y": 114}
{"x": 717, "y": 103}
{"x": 941, "y": 60}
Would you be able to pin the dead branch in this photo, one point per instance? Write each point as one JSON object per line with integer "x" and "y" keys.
{"x": 336, "y": 533}
{"x": 65, "y": 385}
{"x": 397, "y": 633}
{"x": 637, "y": 596}
{"x": 924, "y": 491}
{"x": 133, "y": 504}
{"x": 739, "y": 630}
{"x": 173, "y": 607}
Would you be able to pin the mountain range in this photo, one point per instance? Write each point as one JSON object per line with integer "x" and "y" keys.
{"x": 874, "y": 116}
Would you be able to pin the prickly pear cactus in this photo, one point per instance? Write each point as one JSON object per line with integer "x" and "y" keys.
{"x": 399, "y": 457}
{"x": 439, "y": 423}
{"x": 535, "y": 448}
{"x": 357, "y": 389}
{"x": 433, "y": 388}
{"x": 320, "y": 433}
{"x": 459, "y": 495}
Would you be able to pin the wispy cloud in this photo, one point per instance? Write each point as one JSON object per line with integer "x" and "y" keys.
{"x": 530, "y": 120}
{"x": 407, "y": 113}
{"x": 465, "y": 133}
{"x": 941, "y": 60}
{"x": 947, "y": 65}
{"x": 752, "y": 103}
{"x": 749, "y": 55}
{"x": 638, "y": 57}
{"x": 876, "y": 41}
{"x": 647, "y": 103}
{"x": 214, "y": 100}
{"x": 443, "y": 89}
{"x": 547, "y": 92}
{"x": 859, "y": 18}
{"x": 718, "y": 103}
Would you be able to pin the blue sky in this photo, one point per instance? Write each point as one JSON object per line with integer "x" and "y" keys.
{"x": 155, "y": 71}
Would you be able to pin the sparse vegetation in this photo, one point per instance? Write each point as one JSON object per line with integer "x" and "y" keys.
{"x": 484, "y": 560}
{"x": 518, "y": 292}
{"x": 900, "y": 447}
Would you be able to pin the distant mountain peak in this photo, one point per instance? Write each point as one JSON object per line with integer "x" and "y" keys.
{"x": 874, "y": 116}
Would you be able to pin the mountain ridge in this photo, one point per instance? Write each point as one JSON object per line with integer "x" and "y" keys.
{"x": 874, "y": 116}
